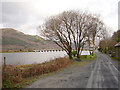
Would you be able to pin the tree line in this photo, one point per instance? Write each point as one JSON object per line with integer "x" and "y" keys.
{"x": 107, "y": 45}
{"x": 72, "y": 30}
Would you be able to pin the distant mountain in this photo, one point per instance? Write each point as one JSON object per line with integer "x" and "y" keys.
{"x": 16, "y": 40}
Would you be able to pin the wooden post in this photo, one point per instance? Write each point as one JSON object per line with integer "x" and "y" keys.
{"x": 4, "y": 61}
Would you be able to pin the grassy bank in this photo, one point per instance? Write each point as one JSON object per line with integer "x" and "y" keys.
{"x": 16, "y": 51}
{"x": 87, "y": 57}
{"x": 114, "y": 58}
{"x": 21, "y": 75}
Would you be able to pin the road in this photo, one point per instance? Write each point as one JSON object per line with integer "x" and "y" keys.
{"x": 104, "y": 73}
{"x": 100, "y": 73}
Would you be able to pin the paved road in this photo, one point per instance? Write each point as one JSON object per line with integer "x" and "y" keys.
{"x": 104, "y": 73}
{"x": 100, "y": 73}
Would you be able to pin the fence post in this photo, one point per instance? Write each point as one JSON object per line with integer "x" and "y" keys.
{"x": 4, "y": 61}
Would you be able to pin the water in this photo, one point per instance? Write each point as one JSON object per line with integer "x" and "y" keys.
{"x": 33, "y": 57}
{"x": 85, "y": 53}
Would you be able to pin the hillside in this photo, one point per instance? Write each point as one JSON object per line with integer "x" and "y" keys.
{"x": 15, "y": 40}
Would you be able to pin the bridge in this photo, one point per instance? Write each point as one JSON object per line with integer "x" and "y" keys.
{"x": 47, "y": 50}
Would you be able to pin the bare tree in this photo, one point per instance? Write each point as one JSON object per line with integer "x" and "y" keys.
{"x": 70, "y": 29}
{"x": 107, "y": 42}
{"x": 56, "y": 29}
{"x": 79, "y": 29}
{"x": 95, "y": 30}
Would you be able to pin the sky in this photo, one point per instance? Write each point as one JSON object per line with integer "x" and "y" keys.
{"x": 27, "y": 15}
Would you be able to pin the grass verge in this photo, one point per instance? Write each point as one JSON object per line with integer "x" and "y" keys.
{"x": 112, "y": 57}
{"x": 87, "y": 57}
{"x": 21, "y": 75}
{"x": 115, "y": 59}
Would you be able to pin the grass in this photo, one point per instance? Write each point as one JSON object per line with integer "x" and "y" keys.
{"x": 15, "y": 51}
{"x": 20, "y": 75}
{"x": 118, "y": 61}
{"x": 87, "y": 57}
{"x": 114, "y": 59}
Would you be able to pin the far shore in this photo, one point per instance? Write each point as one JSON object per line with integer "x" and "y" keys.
{"x": 15, "y": 52}
{"x": 34, "y": 51}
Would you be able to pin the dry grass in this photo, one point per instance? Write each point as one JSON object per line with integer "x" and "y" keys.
{"x": 13, "y": 75}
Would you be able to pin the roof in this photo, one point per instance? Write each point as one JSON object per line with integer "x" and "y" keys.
{"x": 117, "y": 45}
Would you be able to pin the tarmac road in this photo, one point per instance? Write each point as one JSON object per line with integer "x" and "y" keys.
{"x": 104, "y": 73}
{"x": 100, "y": 73}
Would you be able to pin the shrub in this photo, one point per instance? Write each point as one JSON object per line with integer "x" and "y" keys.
{"x": 83, "y": 56}
{"x": 74, "y": 53}
{"x": 100, "y": 49}
{"x": 12, "y": 75}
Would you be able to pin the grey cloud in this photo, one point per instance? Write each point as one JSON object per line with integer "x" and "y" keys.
{"x": 13, "y": 14}
{"x": 16, "y": 15}
{"x": 27, "y": 16}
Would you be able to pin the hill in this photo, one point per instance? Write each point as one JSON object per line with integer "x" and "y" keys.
{"x": 15, "y": 40}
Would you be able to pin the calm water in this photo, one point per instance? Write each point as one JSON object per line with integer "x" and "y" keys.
{"x": 33, "y": 57}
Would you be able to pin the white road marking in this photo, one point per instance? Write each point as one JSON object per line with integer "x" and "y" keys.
{"x": 90, "y": 80}
{"x": 102, "y": 80}
{"x": 99, "y": 79}
{"x": 116, "y": 78}
{"x": 114, "y": 66}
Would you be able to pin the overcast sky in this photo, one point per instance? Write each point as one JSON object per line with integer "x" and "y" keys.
{"x": 27, "y": 15}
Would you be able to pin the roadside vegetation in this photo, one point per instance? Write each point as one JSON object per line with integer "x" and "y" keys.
{"x": 19, "y": 75}
{"x": 107, "y": 44}
{"x": 15, "y": 51}
{"x": 87, "y": 57}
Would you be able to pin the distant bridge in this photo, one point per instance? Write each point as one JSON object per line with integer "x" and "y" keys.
{"x": 47, "y": 50}
{"x": 52, "y": 50}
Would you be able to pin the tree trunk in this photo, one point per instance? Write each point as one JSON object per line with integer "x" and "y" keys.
{"x": 92, "y": 53}
{"x": 70, "y": 55}
{"x": 89, "y": 45}
{"x": 74, "y": 55}
{"x": 93, "y": 48}
{"x": 78, "y": 55}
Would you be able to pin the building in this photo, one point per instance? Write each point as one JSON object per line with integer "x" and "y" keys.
{"x": 117, "y": 50}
